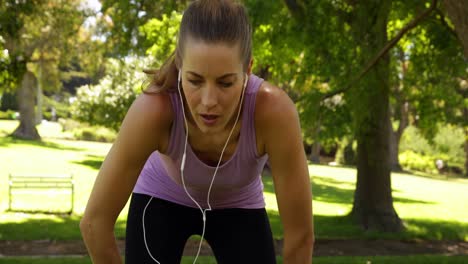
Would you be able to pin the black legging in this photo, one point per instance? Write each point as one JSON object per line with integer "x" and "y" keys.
{"x": 235, "y": 235}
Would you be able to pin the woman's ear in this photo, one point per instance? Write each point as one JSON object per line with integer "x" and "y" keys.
{"x": 249, "y": 68}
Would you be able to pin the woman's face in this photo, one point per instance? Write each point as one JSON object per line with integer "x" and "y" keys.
{"x": 212, "y": 81}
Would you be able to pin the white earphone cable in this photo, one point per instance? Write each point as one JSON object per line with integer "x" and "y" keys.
{"x": 182, "y": 166}
{"x": 225, "y": 145}
{"x": 144, "y": 231}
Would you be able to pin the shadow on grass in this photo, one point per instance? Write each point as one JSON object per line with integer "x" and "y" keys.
{"x": 47, "y": 227}
{"x": 10, "y": 141}
{"x": 329, "y": 190}
{"x": 328, "y": 226}
{"x": 64, "y": 227}
{"x": 432, "y": 229}
{"x": 92, "y": 161}
{"x": 343, "y": 227}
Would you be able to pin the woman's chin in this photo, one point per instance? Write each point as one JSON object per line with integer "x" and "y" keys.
{"x": 209, "y": 128}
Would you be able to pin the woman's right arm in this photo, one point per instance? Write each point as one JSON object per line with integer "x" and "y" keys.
{"x": 144, "y": 130}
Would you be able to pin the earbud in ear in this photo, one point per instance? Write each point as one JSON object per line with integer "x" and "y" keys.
{"x": 178, "y": 77}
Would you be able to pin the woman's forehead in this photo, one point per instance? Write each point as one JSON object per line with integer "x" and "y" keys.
{"x": 211, "y": 58}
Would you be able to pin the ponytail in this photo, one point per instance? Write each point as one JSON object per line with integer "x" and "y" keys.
{"x": 164, "y": 79}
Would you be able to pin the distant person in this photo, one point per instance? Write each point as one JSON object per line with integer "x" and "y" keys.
{"x": 53, "y": 114}
{"x": 192, "y": 148}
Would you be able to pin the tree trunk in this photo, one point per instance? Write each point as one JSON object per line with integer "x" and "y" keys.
{"x": 394, "y": 143}
{"x": 395, "y": 137}
{"x": 402, "y": 114}
{"x": 458, "y": 13}
{"x": 466, "y": 152}
{"x": 26, "y": 97}
{"x": 373, "y": 203}
{"x": 39, "y": 96}
{"x": 315, "y": 153}
{"x": 465, "y": 114}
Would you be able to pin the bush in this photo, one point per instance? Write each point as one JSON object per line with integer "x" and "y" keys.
{"x": 70, "y": 124}
{"x": 100, "y": 134}
{"x": 83, "y": 131}
{"x": 59, "y": 104}
{"x": 411, "y": 160}
{"x": 9, "y": 115}
{"x": 412, "y": 140}
{"x": 106, "y": 103}
{"x": 450, "y": 141}
{"x": 447, "y": 145}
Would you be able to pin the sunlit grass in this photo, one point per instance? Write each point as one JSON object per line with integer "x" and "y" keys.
{"x": 431, "y": 207}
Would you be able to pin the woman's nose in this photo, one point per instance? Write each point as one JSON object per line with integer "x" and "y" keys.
{"x": 209, "y": 97}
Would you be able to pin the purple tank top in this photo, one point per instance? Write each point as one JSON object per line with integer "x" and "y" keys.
{"x": 238, "y": 181}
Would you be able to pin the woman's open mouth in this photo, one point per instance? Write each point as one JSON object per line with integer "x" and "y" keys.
{"x": 209, "y": 120}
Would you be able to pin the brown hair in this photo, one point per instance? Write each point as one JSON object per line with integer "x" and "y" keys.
{"x": 211, "y": 21}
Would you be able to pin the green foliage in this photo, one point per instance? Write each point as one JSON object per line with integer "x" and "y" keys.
{"x": 94, "y": 133}
{"x": 449, "y": 141}
{"x": 412, "y": 140}
{"x": 39, "y": 33}
{"x": 106, "y": 103}
{"x": 83, "y": 131}
{"x": 292, "y": 55}
{"x": 427, "y": 84}
{"x": 8, "y": 100}
{"x": 417, "y": 153}
{"x": 124, "y": 36}
{"x": 69, "y": 124}
{"x": 414, "y": 161}
{"x": 61, "y": 108}
{"x": 9, "y": 114}
{"x": 10, "y": 10}
{"x": 447, "y": 144}
{"x": 6, "y": 78}
{"x": 161, "y": 36}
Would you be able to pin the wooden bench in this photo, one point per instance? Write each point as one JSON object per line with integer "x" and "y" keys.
{"x": 38, "y": 184}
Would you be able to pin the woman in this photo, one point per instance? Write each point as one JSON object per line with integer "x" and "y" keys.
{"x": 190, "y": 153}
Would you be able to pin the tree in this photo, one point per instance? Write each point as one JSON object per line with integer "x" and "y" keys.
{"x": 458, "y": 13}
{"x": 424, "y": 90}
{"x": 107, "y": 102}
{"x": 125, "y": 19}
{"x": 355, "y": 32}
{"x": 281, "y": 55}
{"x": 356, "y": 37}
{"x": 36, "y": 31}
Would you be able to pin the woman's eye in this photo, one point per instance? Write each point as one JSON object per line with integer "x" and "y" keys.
{"x": 195, "y": 82}
{"x": 225, "y": 85}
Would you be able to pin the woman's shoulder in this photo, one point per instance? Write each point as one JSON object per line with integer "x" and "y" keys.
{"x": 155, "y": 107}
{"x": 271, "y": 101}
{"x": 151, "y": 116}
{"x": 273, "y": 110}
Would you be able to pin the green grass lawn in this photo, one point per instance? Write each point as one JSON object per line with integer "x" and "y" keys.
{"x": 432, "y": 208}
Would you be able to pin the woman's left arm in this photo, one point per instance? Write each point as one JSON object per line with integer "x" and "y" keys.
{"x": 281, "y": 134}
